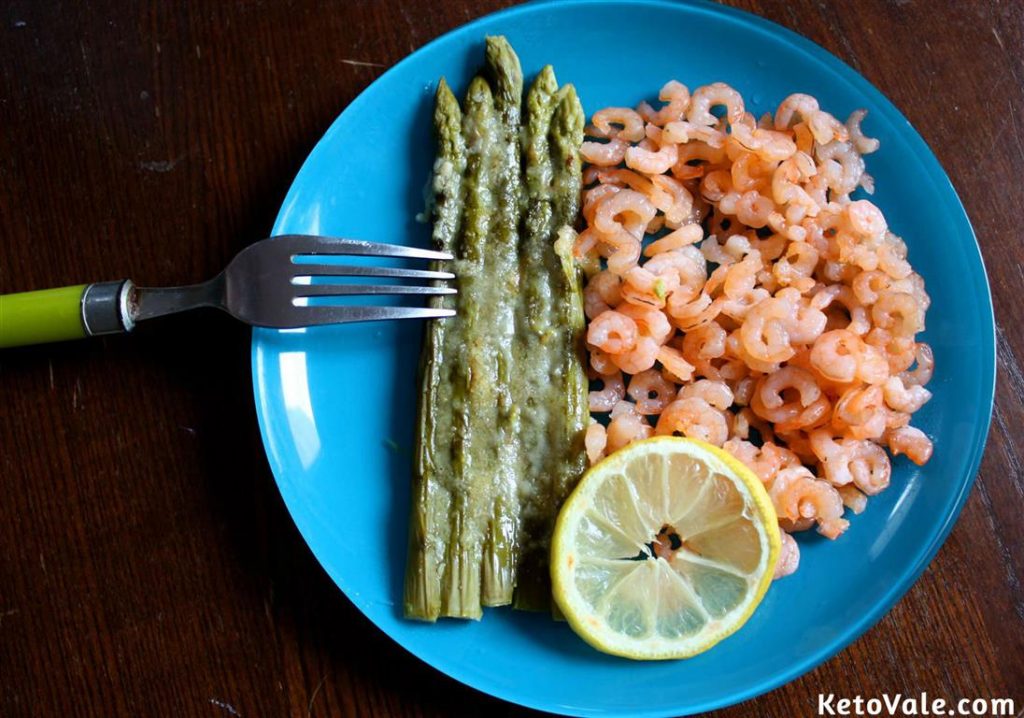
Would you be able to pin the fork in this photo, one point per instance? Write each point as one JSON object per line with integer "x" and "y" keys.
{"x": 264, "y": 285}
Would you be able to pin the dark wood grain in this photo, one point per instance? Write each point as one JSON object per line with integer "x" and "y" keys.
{"x": 147, "y": 564}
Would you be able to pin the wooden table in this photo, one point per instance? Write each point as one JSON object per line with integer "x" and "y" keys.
{"x": 148, "y": 565}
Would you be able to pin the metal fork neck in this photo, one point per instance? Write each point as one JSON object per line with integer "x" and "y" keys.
{"x": 150, "y": 302}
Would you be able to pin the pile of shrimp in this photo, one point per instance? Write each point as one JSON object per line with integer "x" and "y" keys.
{"x": 737, "y": 294}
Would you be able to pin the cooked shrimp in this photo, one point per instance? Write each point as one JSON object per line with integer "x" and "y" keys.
{"x": 743, "y": 389}
{"x": 639, "y": 358}
{"x": 853, "y": 498}
{"x": 696, "y": 418}
{"x": 827, "y": 128}
{"x": 604, "y": 154}
{"x": 715, "y": 393}
{"x": 910, "y": 441}
{"x": 872, "y": 366}
{"x": 806, "y": 323}
{"x": 684, "y": 269}
{"x": 601, "y": 362}
{"x": 708, "y": 96}
{"x": 686, "y": 132}
{"x": 641, "y": 286}
{"x": 705, "y": 342}
{"x": 651, "y": 392}
{"x": 674, "y": 362}
{"x": 741, "y": 277}
{"x": 753, "y": 209}
{"x": 835, "y": 355}
{"x": 652, "y": 162}
{"x": 870, "y": 467}
{"x": 622, "y": 250}
{"x": 595, "y": 441}
{"x": 686, "y": 235}
{"x": 743, "y": 450}
{"x": 798, "y": 107}
{"x": 610, "y": 394}
{"x": 867, "y": 286}
{"x": 735, "y": 348}
{"x": 864, "y": 145}
{"x": 772, "y": 459}
{"x": 739, "y": 306}
{"x": 603, "y": 292}
{"x": 807, "y": 409}
{"x": 628, "y": 178}
{"x": 612, "y": 332}
{"x": 922, "y": 373}
{"x": 904, "y": 398}
{"x": 859, "y": 319}
{"x": 649, "y": 321}
{"x": 690, "y": 315}
{"x": 770, "y": 388}
{"x": 696, "y": 151}
{"x": 593, "y": 197}
{"x": 899, "y": 350}
{"x": 842, "y": 166}
{"x": 865, "y": 219}
{"x": 632, "y": 124}
{"x": 796, "y": 266}
{"x": 678, "y": 207}
{"x": 677, "y": 97}
{"x": 892, "y": 258}
{"x": 860, "y": 412}
{"x": 898, "y": 312}
{"x": 787, "y": 190}
{"x": 798, "y": 494}
{"x": 625, "y": 210}
{"x": 835, "y": 456}
{"x": 625, "y": 428}
{"x": 765, "y": 333}
{"x": 789, "y": 557}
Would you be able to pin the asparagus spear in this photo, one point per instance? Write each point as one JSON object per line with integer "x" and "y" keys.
{"x": 537, "y": 224}
{"x": 535, "y": 341}
{"x": 566, "y": 138}
{"x": 557, "y": 322}
{"x": 500, "y": 547}
{"x": 431, "y": 490}
{"x": 574, "y": 414}
{"x": 473, "y": 367}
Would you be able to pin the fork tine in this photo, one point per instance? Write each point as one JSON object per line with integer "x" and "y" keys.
{"x": 336, "y": 290}
{"x": 311, "y": 316}
{"x": 315, "y": 244}
{"x": 339, "y": 270}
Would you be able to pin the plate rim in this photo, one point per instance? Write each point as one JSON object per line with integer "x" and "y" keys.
{"x": 989, "y": 358}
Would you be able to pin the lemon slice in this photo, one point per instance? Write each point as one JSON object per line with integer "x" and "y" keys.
{"x": 665, "y": 548}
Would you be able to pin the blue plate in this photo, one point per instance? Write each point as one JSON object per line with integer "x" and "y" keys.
{"x": 337, "y": 405}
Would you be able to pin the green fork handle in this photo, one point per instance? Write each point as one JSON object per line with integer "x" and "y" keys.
{"x": 54, "y": 315}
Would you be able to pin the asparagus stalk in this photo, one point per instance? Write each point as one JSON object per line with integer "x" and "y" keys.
{"x": 500, "y": 548}
{"x": 567, "y": 135}
{"x": 474, "y": 365}
{"x": 575, "y": 387}
{"x": 535, "y": 341}
{"x": 431, "y": 490}
{"x": 561, "y": 344}
{"x": 574, "y": 414}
